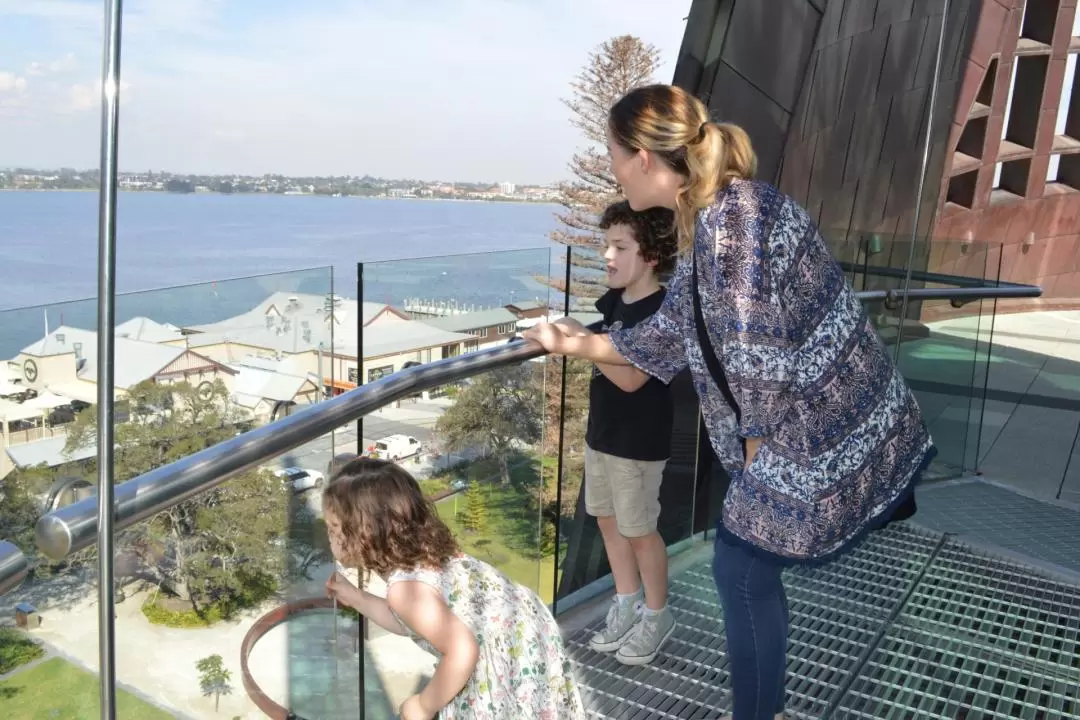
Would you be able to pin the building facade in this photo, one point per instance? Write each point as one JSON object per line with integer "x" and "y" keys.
{"x": 839, "y": 120}
{"x": 1012, "y": 178}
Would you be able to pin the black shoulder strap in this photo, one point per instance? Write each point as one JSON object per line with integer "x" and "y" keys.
{"x": 711, "y": 360}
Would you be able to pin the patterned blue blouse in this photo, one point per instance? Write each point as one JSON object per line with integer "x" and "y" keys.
{"x": 843, "y": 440}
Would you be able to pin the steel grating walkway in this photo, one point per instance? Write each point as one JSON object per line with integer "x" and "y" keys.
{"x": 1043, "y": 531}
{"x": 911, "y": 625}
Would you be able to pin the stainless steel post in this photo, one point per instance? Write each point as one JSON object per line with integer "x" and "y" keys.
{"x": 106, "y": 353}
{"x": 922, "y": 175}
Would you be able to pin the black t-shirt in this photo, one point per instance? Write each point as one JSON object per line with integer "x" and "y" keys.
{"x": 633, "y": 425}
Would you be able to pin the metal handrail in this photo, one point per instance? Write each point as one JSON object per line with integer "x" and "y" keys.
{"x": 959, "y": 281}
{"x": 72, "y": 528}
{"x": 958, "y": 297}
{"x": 13, "y": 567}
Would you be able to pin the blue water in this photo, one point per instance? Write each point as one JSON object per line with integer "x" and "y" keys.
{"x": 480, "y": 253}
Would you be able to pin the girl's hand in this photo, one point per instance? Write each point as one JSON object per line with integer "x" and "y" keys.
{"x": 413, "y": 709}
{"x": 339, "y": 587}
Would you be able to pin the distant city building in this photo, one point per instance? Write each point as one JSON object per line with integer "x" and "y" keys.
{"x": 507, "y": 188}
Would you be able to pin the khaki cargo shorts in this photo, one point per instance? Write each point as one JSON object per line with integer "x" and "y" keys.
{"x": 627, "y": 489}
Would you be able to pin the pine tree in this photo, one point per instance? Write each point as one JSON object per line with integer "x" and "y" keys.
{"x": 214, "y": 678}
{"x": 613, "y": 69}
{"x": 475, "y": 515}
{"x": 547, "y": 537}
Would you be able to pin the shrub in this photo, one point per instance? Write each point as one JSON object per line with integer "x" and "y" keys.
{"x": 257, "y": 587}
{"x": 16, "y": 650}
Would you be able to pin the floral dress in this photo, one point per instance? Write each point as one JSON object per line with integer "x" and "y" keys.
{"x": 523, "y": 671}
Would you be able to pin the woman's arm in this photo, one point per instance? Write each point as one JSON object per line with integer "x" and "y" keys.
{"x": 626, "y": 377}
{"x": 654, "y": 346}
{"x": 423, "y": 609}
{"x": 372, "y": 607}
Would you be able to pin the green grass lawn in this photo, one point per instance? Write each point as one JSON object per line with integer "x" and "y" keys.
{"x": 58, "y": 689}
{"x": 509, "y": 540}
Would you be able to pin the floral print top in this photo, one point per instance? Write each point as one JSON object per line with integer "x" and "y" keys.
{"x": 523, "y": 671}
{"x": 843, "y": 440}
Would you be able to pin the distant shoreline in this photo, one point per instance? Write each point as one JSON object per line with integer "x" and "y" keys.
{"x": 506, "y": 201}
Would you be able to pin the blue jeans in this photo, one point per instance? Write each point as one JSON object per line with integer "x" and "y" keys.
{"x": 756, "y": 624}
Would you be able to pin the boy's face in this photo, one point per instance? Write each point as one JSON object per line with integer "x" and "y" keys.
{"x": 625, "y": 266}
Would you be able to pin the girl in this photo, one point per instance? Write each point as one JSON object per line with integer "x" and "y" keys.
{"x": 501, "y": 650}
{"x": 821, "y": 436}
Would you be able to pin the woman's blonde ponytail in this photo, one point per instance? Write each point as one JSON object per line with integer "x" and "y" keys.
{"x": 674, "y": 125}
{"x": 720, "y": 153}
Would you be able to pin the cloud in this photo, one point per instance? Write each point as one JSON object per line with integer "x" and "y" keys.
{"x": 84, "y": 97}
{"x": 468, "y": 89}
{"x": 10, "y": 82}
{"x": 63, "y": 10}
{"x": 64, "y": 64}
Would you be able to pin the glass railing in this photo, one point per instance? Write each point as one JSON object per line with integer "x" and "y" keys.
{"x": 1031, "y": 376}
{"x": 995, "y": 377}
{"x": 238, "y": 573}
{"x": 204, "y": 583}
{"x": 483, "y": 449}
{"x": 946, "y": 370}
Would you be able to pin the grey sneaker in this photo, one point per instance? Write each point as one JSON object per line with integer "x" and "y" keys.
{"x": 646, "y": 639}
{"x": 622, "y": 617}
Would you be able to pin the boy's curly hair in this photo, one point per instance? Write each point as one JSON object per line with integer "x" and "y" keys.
{"x": 386, "y": 522}
{"x": 654, "y": 230}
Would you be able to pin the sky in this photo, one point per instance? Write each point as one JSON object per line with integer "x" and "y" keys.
{"x": 464, "y": 90}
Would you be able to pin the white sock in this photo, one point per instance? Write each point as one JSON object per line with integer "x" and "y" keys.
{"x": 653, "y": 613}
{"x": 627, "y": 599}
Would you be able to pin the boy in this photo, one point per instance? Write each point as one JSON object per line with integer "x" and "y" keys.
{"x": 628, "y": 440}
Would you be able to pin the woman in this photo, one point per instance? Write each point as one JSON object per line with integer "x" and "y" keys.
{"x": 821, "y": 436}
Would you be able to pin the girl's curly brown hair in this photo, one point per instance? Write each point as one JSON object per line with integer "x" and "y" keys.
{"x": 386, "y": 522}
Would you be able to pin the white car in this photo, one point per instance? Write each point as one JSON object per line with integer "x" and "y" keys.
{"x": 301, "y": 478}
{"x": 396, "y": 447}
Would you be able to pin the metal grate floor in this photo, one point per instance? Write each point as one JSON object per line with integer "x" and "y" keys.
{"x": 977, "y": 638}
{"x": 995, "y": 516}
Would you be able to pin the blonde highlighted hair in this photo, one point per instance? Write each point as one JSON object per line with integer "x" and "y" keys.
{"x": 674, "y": 126}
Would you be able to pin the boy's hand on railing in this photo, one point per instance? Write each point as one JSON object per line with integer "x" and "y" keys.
{"x": 571, "y": 327}
{"x": 549, "y": 336}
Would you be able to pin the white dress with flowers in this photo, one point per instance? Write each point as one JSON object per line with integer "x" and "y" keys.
{"x": 523, "y": 671}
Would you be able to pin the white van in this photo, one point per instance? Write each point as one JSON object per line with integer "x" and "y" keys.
{"x": 395, "y": 447}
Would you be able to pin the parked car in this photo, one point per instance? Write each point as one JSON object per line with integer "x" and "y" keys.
{"x": 301, "y": 478}
{"x": 396, "y": 447}
{"x": 459, "y": 484}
